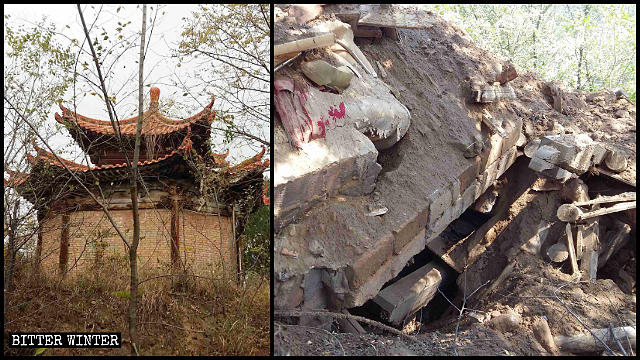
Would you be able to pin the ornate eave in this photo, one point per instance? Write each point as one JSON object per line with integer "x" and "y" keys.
{"x": 156, "y": 128}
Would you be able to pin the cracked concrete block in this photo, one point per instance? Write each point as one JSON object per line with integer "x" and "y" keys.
{"x": 370, "y": 262}
{"x": 443, "y": 221}
{"x": 513, "y": 130}
{"x": 549, "y": 170}
{"x": 440, "y": 201}
{"x": 454, "y": 187}
{"x": 572, "y": 152}
{"x": 407, "y": 295}
{"x": 506, "y": 161}
{"x": 466, "y": 199}
{"x": 495, "y": 141}
{"x": 407, "y": 231}
{"x": 344, "y": 162}
{"x": 489, "y": 176}
{"x": 371, "y": 286}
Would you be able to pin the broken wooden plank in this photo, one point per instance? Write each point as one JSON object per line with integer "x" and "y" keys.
{"x": 613, "y": 244}
{"x": 404, "y": 297}
{"x": 627, "y": 196}
{"x": 570, "y": 249}
{"x": 590, "y": 240}
{"x": 398, "y": 17}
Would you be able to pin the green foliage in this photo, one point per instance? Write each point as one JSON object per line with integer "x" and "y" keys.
{"x": 258, "y": 241}
{"x": 586, "y": 46}
{"x": 229, "y": 44}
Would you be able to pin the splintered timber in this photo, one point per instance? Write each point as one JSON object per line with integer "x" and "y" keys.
{"x": 66, "y": 340}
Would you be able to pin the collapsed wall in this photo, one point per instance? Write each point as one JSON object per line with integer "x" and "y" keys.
{"x": 350, "y": 215}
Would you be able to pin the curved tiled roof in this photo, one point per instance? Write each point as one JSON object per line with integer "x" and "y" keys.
{"x": 16, "y": 178}
{"x": 153, "y": 122}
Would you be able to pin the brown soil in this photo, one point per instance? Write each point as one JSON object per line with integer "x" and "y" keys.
{"x": 432, "y": 72}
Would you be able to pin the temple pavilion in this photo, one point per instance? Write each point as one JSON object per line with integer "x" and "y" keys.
{"x": 192, "y": 203}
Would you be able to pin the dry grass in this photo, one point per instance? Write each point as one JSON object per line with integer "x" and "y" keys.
{"x": 199, "y": 317}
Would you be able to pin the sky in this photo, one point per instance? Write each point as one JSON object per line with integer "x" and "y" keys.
{"x": 159, "y": 67}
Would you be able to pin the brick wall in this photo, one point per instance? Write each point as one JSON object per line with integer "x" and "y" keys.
{"x": 91, "y": 236}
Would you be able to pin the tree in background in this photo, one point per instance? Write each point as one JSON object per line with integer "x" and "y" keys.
{"x": 586, "y": 46}
{"x": 257, "y": 239}
{"x": 230, "y": 46}
{"x": 35, "y": 76}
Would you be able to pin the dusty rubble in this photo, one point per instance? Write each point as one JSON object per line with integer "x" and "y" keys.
{"x": 415, "y": 173}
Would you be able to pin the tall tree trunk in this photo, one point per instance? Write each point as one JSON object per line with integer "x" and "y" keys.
{"x": 133, "y": 250}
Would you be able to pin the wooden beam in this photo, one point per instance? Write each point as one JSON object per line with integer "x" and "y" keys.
{"x": 614, "y": 243}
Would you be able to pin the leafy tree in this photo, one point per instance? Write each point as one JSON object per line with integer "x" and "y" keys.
{"x": 35, "y": 76}
{"x": 587, "y": 46}
{"x": 229, "y": 44}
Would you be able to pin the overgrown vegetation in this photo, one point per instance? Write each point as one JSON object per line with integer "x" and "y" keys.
{"x": 206, "y": 317}
{"x": 257, "y": 241}
{"x": 586, "y": 46}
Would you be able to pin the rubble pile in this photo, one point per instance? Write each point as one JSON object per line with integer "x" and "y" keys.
{"x": 415, "y": 173}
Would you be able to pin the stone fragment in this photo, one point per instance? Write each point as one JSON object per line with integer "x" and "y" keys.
{"x": 574, "y": 190}
{"x": 621, "y": 114}
{"x": 506, "y": 322}
{"x": 550, "y": 170}
{"x": 572, "y": 152}
{"x": 558, "y": 252}
{"x": 315, "y": 248}
{"x": 507, "y": 74}
{"x": 615, "y": 161}
{"x": 323, "y": 73}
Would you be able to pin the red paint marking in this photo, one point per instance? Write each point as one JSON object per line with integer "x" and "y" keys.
{"x": 338, "y": 112}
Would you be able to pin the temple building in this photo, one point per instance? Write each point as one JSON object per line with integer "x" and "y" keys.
{"x": 193, "y": 204}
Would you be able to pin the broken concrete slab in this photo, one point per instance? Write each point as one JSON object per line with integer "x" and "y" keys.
{"x": 396, "y": 16}
{"x": 322, "y": 168}
{"x": 572, "y": 152}
{"x": 365, "y": 286}
{"x": 549, "y": 170}
{"x": 404, "y": 297}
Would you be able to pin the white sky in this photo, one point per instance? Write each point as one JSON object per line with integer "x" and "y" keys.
{"x": 158, "y": 68}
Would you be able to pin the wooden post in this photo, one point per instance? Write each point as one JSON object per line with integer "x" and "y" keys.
{"x": 589, "y": 262}
{"x": 614, "y": 243}
{"x": 175, "y": 226}
{"x": 64, "y": 243}
{"x": 572, "y": 252}
{"x": 579, "y": 242}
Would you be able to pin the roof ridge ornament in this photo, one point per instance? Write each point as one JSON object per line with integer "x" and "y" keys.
{"x": 155, "y": 95}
